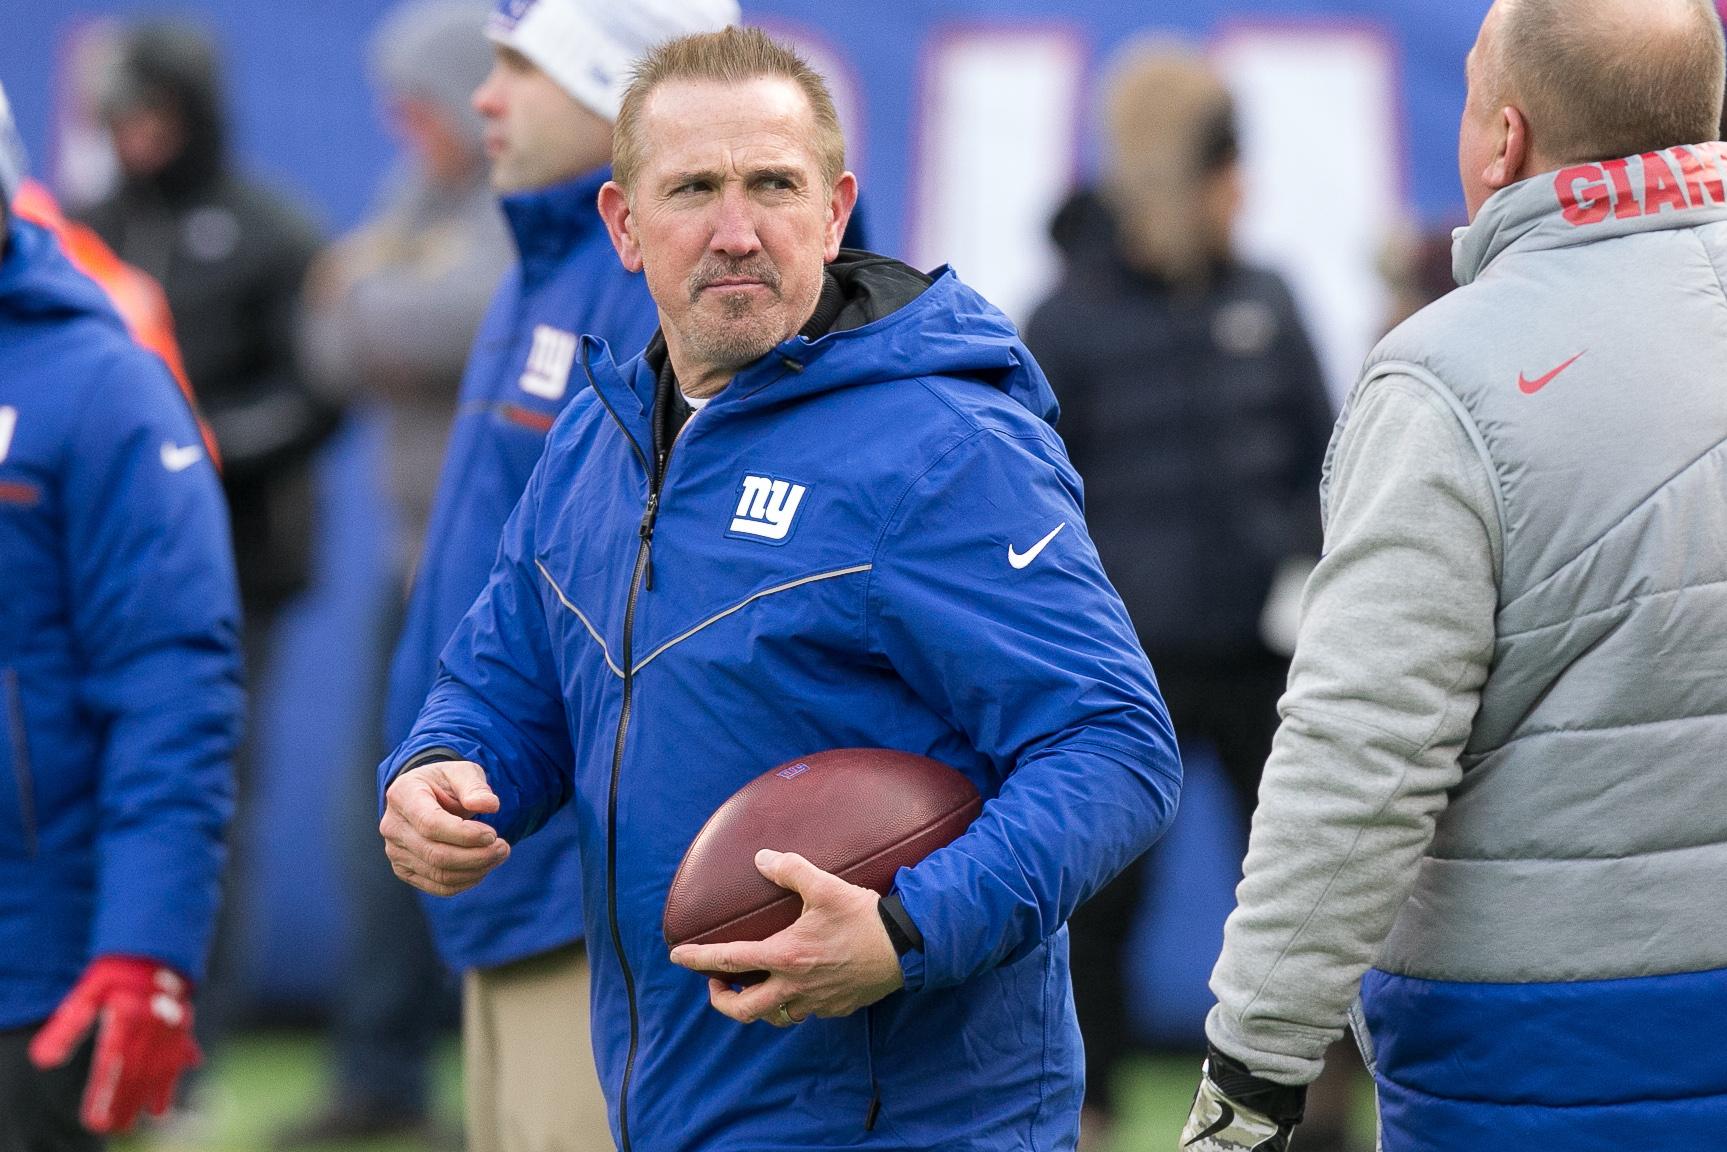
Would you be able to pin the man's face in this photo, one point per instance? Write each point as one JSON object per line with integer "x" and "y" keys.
{"x": 1480, "y": 137}
{"x": 147, "y": 138}
{"x": 729, "y": 217}
{"x": 436, "y": 142}
{"x": 537, "y": 134}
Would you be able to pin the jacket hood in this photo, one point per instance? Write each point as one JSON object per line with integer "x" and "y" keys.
{"x": 891, "y": 322}
{"x": 37, "y": 281}
{"x": 173, "y": 66}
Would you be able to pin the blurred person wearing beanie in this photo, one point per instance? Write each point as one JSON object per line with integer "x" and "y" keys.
{"x": 120, "y": 703}
{"x": 230, "y": 253}
{"x": 1193, "y": 406}
{"x": 390, "y": 312}
{"x": 548, "y": 105}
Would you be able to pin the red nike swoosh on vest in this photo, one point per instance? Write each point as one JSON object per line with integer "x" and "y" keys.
{"x": 1530, "y": 387}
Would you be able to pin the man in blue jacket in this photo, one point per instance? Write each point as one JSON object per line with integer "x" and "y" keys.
{"x": 119, "y": 704}
{"x": 866, "y": 534}
{"x": 529, "y": 1074}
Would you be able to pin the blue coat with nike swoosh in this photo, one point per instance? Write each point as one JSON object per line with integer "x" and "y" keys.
{"x": 119, "y": 657}
{"x": 870, "y": 538}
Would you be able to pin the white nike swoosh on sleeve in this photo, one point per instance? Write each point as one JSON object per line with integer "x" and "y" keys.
{"x": 1021, "y": 559}
{"x": 178, "y": 459}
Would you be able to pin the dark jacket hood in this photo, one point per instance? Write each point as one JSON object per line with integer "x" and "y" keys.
{"x": 173, "y": 65}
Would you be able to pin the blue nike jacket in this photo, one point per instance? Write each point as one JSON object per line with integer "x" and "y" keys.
{"x": 120, "y": 693}
{"x": 520, "y": 375}
{"x": 869, "y": 538}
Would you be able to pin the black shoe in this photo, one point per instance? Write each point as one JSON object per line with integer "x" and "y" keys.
{"x": 346, "y": 1123}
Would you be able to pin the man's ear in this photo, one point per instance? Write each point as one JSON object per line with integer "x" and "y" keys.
{"x": 1511, "y": 161}
{"x": 614, "y": 205}
{"x": 840, "y": 204}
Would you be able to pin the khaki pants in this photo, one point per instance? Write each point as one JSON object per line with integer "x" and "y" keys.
{"x": 528, "y": 1061}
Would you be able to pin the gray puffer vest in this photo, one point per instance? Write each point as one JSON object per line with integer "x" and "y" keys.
{"x": 1587, "y": 358}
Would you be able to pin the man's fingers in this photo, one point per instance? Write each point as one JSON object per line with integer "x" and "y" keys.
{"x": 65, "y": 1030}
{"x": 790, "y": 871}
{"x": 761, "y": 1002}
{"x": 460, "y": 787}
{"x": 102, "y": 1092}
{"x": 743, "y": 956}
{"x": 443, "y": 871}
{"x": 421, "y": 808}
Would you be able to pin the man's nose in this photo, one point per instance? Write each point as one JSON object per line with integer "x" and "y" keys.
{"x": 485, "y": 97}
{"x": 734, "y": 226}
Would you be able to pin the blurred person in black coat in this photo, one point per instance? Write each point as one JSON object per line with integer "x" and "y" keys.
{"x": 1193, "y": 406}
{"x": 231, "y": 255}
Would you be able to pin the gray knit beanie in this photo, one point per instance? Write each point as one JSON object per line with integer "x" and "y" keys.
{"x": 435, "y": 50}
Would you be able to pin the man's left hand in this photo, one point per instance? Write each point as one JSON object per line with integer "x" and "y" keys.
{"x": 142, "y": 1013}
{"x": 835, "y": 959}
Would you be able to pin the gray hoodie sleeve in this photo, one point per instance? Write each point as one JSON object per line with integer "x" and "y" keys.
{"x": 1395, "y": 643}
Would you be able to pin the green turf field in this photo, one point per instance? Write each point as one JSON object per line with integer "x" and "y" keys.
{"x": 267, "y": 1080}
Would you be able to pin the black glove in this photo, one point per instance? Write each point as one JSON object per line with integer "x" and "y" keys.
{"x": 1236, "y": 1111}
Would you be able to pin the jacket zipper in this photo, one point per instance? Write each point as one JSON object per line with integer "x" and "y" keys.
{"x": 21, "y": 763}
{"x": 640, "y": 579}
{"x": 869, "y": 1062}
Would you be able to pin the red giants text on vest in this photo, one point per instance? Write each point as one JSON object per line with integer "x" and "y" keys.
{"x": 1675, "y": 179}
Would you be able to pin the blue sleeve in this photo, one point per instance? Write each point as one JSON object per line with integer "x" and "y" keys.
{"x": 1039, "y": 667}
{"x": 156, "y": 615}
{"x": 496, "y": 700}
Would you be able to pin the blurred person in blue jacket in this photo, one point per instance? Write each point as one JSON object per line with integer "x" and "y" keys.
{"x": 231, "y": 253}
{"x": 391, "y": 309}
{"x": 120, "y": 704}
{"x": 826, "y": 507}
{"x": 548, "y": 107}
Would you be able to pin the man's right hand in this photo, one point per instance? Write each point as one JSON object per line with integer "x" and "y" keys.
{"x": 429, "y": 832}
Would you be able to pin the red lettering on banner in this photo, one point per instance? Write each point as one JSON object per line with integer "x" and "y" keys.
{"x": 1701, "y": 180}
{"x": 1660, "y": 189}
{"x": 1625, "y": 206}
{"x": 1583, "y": 194}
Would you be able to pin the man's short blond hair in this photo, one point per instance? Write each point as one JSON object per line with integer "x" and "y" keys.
{"x": 1611, "y": 78}
{"x": 731, "y": 56}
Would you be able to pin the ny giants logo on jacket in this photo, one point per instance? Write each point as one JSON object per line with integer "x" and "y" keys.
{"x": 547, "y": 373}
{"x": 766, "y": 508}
{"x": 1676, "y": 179}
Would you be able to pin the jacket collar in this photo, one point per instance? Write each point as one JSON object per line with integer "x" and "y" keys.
{"x": 1678, "y": 188}
{"x": 894, "y": 324}
{"x": 548, "y": 223}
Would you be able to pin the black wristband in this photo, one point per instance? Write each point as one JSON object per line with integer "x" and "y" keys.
{"x": 428, "y": 756}
{"x": 900, "y": 929}
{"x": 1283, "y": 1103}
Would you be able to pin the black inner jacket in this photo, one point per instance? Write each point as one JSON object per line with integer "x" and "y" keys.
{"x": 858, "y": 288}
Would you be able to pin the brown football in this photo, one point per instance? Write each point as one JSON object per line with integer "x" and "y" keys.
{"x": 860, "y": 813}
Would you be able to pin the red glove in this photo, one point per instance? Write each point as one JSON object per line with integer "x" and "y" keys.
{"x": 144, "y": 1042}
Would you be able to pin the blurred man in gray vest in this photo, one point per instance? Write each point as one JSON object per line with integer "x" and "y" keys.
{"x": 1494, "y": 809}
